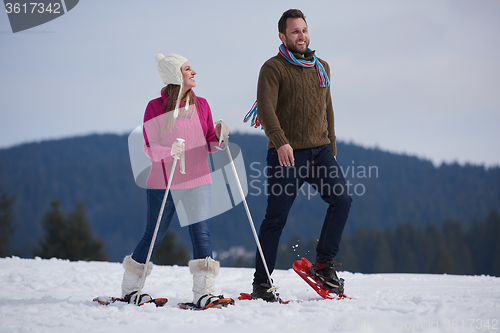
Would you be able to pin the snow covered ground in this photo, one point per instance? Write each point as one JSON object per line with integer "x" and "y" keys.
{"x": 56, "y": 296}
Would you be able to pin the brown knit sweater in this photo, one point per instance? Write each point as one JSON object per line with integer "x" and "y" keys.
{"x": 292, "y": 107}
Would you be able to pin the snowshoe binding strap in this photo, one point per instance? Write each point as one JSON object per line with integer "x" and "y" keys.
{"x": 330, "y": 281}
{"x": 212, "y": 301}
{"x": 143, "y": 298}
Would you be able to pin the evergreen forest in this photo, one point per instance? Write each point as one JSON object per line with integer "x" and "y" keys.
{"x": 407, "y": 215}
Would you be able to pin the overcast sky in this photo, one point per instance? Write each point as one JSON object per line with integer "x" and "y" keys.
{"x": 419, "y": 76}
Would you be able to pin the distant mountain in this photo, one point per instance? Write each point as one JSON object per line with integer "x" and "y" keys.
{"x": 388, "y": 189}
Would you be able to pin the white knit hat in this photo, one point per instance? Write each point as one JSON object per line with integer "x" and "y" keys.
{"x": 169, "y": 68}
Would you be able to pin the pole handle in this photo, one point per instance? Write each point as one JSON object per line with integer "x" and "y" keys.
{"x": 181, "y": 141}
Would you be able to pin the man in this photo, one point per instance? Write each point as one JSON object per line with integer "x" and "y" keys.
{"x": 295, "y": 109}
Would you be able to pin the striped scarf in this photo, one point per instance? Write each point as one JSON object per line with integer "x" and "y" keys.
{"x": 320, "y": 70}
{"x": 324, "y": 81}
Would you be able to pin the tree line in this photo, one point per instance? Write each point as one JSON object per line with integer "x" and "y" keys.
{"x": 408, "y": 248}
{"x": 7, "y": 226}
{"x": 96, "y": 169}
{"x": 70, "y": 236}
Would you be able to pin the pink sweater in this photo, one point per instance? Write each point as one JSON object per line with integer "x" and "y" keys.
{"x": 199, "y": 135}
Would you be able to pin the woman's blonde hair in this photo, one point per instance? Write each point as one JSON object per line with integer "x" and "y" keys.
{"x": 172, "y": 91}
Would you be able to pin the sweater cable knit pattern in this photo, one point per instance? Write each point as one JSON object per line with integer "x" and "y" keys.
{"x": 292, "y": 107}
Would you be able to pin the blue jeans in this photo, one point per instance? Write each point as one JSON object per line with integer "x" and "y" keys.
{"x": 318, "y": 167}
{"x": 199, "y": 232}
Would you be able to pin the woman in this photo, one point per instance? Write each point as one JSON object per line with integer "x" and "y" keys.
{"x": 178, "y": 113}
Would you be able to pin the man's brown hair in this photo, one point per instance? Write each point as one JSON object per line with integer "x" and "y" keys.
{"x": 293, "y": 13}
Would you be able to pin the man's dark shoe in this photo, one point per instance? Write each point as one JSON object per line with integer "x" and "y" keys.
{"x": 324, "y": 271}
{"x": 263, "y": 291}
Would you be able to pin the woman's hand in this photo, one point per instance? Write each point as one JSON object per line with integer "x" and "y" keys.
{"x": 218, "y": 128}
{"x": 177, "y": 149}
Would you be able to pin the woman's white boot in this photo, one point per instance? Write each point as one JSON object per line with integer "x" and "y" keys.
{"x": 133, "y": 275}
{"x": 204, "y": 272}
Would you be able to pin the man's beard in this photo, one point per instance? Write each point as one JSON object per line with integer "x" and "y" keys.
{"x": 292, "y": 48}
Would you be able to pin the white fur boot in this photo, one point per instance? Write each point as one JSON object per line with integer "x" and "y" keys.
{"x": 133, "y": 275}
{"x": 204, "y": 272}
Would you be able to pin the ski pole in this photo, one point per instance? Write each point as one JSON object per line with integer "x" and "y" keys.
{"x": 141, "y": 285}
{"x": 224, "y": 137}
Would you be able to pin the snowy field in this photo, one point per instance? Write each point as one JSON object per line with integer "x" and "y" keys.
{"x": 56, "y": 296}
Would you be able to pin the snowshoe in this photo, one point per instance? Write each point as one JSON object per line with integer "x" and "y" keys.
{"x": 324, "y": 272}
{"x": 207, "y": 302}
{"x": 130, "y": 299}
{"x": 303, "y": 269}
{"x": 247, "y": 296}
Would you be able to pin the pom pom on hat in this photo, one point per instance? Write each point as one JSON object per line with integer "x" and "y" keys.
{"x": 159, "y": 57}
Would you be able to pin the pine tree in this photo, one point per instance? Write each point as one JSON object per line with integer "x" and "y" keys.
{"x": 439, "y": 257}
{"x": 454, "y": 239}
{"x": 81, "y": 244}
{"x": 484, "y": 242}
{"x": 494, "y": 227}
{"x": 53, "y": 242}
{"x": 403, "y": 248}
{"x": 6, "y": 223}
{"x": 383, "y": 261}
{"x": 69, "y": 237}
{"x": 363, "y": 250}
{"x": 347, "y": 255}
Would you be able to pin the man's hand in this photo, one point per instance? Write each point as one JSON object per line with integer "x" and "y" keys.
{"x": 285, "y": 155}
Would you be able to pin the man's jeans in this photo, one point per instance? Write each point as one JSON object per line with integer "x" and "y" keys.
{"x": 197, "y": 201}
{"x": 318, "y": 167}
